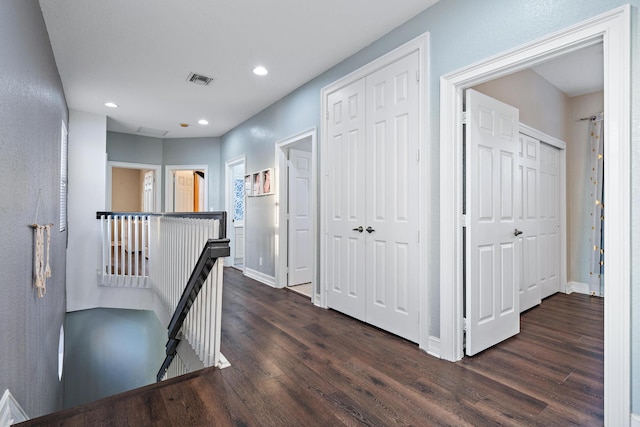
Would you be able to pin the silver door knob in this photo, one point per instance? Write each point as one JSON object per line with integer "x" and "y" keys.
{"x": 359, "y": 229}
{"x": 517, "y": 232}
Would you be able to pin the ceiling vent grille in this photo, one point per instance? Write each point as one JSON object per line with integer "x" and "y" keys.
{"x": 199, "y": 79}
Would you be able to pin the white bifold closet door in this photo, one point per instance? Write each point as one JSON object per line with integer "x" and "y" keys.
{"x": 372, "y": 209}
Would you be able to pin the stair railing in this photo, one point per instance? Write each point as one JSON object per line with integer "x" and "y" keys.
{"x": 211, "y": 255}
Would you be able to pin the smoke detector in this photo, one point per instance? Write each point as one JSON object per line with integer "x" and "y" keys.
{"x": 199, "y": 79}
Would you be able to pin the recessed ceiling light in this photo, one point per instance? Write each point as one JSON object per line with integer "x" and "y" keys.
{"x": 260, "y": 71}
{"x": 203, "y": 122}
{"x": 111, "y": 104}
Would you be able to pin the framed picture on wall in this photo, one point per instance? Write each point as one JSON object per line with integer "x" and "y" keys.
{"x": 247, "y": 186}
{"x": 257, "y": 184}
{"x": 266, "y": 177}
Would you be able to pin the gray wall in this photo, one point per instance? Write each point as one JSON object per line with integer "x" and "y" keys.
{"x": 462, "y": 32}
{"x": 122, "y": 147}
{"x": 32, "y": 108}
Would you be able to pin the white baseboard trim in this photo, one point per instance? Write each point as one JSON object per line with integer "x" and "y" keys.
{"x": 581, "y": 288}
{"x": 10, "y": 410}
{"x": 434, "y": 346}
{"x": 260, "y": 277}
{"x": 635, "y": 420}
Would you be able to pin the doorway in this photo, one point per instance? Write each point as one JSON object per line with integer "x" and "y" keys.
{"x": 613, "y": 29}
{"x": 296, "y": 205}
{"x": 133, "y": 187}
{"x": 186, "y": 188}
{"x": 235, "y": 205}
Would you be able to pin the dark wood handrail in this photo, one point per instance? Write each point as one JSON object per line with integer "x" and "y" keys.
{"x": 213, "y": 249}
{"x": 219, "y": 215}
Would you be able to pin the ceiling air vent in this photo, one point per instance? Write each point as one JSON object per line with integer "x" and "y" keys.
{"x": 199, "y": 79}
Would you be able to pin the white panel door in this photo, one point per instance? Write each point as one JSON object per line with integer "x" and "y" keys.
{"x": 549, "y": 220}
{"x": 392, "y": 209}
{"x": 492, "y": 302}
{"x": 148, "y": 193}
{"x": 183, "y": 191}
{"x": 300, "y": 217}
{"x": 344, "y": 187}
{"x": 527, "y": 212}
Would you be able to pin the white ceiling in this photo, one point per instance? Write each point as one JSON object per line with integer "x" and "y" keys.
{"x": 139, "y": 53}
{"x": 576, "y": 73}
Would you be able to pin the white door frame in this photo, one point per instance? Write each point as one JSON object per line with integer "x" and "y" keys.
{"x": 157, "y": 171}
{"x": 420, "y": 44}
{"x": 228, "y": 174}
{"x": 282, "y": 196}
{"x": 613, "y": 29}
{"x": 168, "y": 189}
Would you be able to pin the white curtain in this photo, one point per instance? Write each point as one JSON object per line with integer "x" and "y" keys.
{"x": 596, "y": 176}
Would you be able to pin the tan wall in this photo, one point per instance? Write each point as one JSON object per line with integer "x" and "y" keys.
{"x": 126, "y": 187}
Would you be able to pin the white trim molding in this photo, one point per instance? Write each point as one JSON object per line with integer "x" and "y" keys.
{"x": 578, "y": 287}
{"x": 421, "y": 45}
{"x": 282, "y": 195}
{"x": 10, "y": 410}
{"x": 613, "y": 30}
{"x": 635, "y": 420}
{"x": 260, "y": 277}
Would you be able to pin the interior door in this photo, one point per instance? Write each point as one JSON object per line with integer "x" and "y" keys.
{"x": 492, "y": 302}
{"x": 147, "y": 192}
{"x": 300, "y": 217}
{"x": 183, "y": 191}
{"x": 345, "y": 201}
{"x": 549, "y": 220}
{"x": 392, "y": 209}
{"x": 527, "y": 222}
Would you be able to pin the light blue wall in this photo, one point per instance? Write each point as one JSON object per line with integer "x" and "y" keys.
{"x": 32, "y": 109}
{"x": 122, "y": 147}
{"x": 198, "y": 151}
{"x": 461, "y": 32}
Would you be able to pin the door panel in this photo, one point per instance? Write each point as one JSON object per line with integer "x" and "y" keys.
{"x": 528, "y": 213}
{"x": 392, "y": 208}
{"x": 492, "y": 303}
{"x": 300, "y": 219}
{"x": 183, "y": 188}
{"x": 549, "y": 220}
{"x": 345, "y": 196}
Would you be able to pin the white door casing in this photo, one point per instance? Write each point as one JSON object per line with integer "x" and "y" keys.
{"x": 392, "y": 208}
{"x": 300, "y": 217}
{"x": 527, "y": 212}
{"x": 169, "y": 187}
{"x": 183, "y": 191}
{"x": 344, "y": 188}
{"x": 492, "y": 300}
{"x": 613, "y": 29}
{"x": 234, "y": 168}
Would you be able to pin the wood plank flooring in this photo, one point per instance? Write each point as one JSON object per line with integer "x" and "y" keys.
{"x": 293, "y": 364}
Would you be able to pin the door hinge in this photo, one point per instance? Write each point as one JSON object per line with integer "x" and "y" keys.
{"x": 327, "y": 115}
{"x": 418, "y": 236}
{"x": 465, "y": 324}
{"x": 463, "y": 219}
{"x": 465, "y": 118}
{"x": 417, "y": 75}
{"x": 418, "y": 155}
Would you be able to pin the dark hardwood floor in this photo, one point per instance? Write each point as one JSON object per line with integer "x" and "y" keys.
{"x": 293, "y": 364}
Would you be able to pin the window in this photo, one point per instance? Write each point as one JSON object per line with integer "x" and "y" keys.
{"x": 63, "y": 177}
